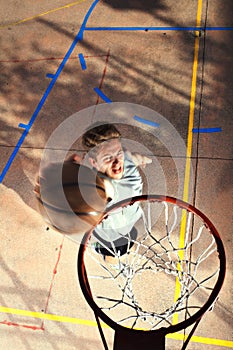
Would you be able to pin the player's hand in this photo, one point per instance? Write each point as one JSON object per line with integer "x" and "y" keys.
{"x": 139, "y": 159}
{"x": 75, "y": 158}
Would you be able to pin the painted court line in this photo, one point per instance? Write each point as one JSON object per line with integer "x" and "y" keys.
{"x": 50, "y": 75}
{"x": 51, "y": 317}
{"x": 102, "y": 95}
{"x": 82, "y": 61}
{"x": 41, "y": 14}
{"x": 24, "y": 126}
{"x": 189, "y": 149}
{"x": 206, "y": 130}
{"x": 202, "y": 340}
{"x": 197, "y": 28}
{"x": 73, "y": 320}
{"x": 146, "y": 121}
{"x": 14, "y": 324}
{"x": 103, "y": 75}
{"x": 47, "y": 59}
{"x": 53, "y": 278}
{"x": 78, "y": 38}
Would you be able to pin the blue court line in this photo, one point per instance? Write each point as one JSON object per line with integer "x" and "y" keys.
{"x": 24, "y": 126}
{"x": 82, "y": 61}
{"x": 146, "y": 121}
{"x": 206, "y": 130}
{"x": 102, "y": 95}
{"x": 49, "y": 75}
{"x": 27, "y": 127}
{"x": 159, "y": 28}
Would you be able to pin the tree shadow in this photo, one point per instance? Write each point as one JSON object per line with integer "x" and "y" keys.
{"x": 144, "y": 6}
{"x": 153, "y": 81}
{"x": 150, "y": 80}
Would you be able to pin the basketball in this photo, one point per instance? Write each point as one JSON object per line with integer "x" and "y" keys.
{"x": 71, "y": 197}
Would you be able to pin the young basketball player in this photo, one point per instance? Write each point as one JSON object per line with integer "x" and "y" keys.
{"x": 113, "y": 163}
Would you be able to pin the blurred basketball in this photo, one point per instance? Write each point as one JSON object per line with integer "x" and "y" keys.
{"x": 71, "y": 197}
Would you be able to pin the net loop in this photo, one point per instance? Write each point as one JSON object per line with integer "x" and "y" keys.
{"x": 174, "y": 267}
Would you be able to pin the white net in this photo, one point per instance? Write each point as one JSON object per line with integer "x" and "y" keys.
{"x": 166, "y": 275}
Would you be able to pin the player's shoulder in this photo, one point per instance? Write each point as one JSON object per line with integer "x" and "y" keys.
{"x": 130, "y": 169}
{"x": 128, "y": 159}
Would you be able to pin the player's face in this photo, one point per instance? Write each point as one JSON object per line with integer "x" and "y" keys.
{"x": 110, "y": 159}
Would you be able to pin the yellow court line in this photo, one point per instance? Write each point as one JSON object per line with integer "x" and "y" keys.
{"x": 191, "y": 121}
{"x": 41, "y": 14}
{"x": 202, "y": 340}
{"x": 51, "y": 317}
{"x": 192, "y": 107}
{"x": 73, "y": 320}
{"x": 189, "y": 146}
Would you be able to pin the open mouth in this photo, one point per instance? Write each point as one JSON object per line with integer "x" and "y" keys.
{"x": 117, "y": 171}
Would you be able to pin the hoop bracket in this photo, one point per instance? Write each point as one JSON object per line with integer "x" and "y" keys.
{"x": 138, "y": 340}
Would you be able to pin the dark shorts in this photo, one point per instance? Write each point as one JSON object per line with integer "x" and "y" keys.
{"x": 121, "y": 245}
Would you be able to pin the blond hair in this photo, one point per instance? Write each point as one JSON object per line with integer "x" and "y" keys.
{"x": 98, "y": 134}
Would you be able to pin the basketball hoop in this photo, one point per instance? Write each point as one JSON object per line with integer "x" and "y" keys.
{"x": 164, "y": 283}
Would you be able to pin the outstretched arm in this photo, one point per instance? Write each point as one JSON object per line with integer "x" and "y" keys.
{"x": 139, "y": 159}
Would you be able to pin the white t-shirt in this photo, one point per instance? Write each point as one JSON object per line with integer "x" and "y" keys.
{"x": 121, "y": 221}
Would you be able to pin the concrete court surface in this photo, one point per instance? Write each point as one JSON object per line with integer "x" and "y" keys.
{"x": 186, "y": 76}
